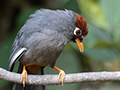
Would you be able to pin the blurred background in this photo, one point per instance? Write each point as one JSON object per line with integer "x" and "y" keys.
{"x": 102, "y": 44}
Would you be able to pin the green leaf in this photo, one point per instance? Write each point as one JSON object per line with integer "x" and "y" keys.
{"x": 95, "y": 35}
{"x": 101, "y": 54}
{"x": 111, "y": 9}
{"x": 91, "y": 10}
{"x": 71, "y": 5}
{"x": 102, "y": 44}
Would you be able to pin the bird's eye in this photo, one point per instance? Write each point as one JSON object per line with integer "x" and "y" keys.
{"x": 77, "y": 31}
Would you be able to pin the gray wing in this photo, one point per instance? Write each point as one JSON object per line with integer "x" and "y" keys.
{"x": 16, "y": 53}
{"x": 16, "y": 57}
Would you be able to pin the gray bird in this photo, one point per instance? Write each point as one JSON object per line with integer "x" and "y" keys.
{"x": 41, "y": 40}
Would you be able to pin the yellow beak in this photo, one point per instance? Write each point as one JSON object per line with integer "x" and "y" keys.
{"x": 80, "y": 45}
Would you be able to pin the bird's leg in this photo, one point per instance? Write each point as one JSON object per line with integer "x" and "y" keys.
{"x": 61, "y": 73}
{"x": 24, "y": 76}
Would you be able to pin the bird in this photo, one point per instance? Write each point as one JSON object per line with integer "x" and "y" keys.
{"x": 40, "y": 41}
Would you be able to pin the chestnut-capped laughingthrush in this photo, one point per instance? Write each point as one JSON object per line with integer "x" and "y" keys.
{"x": 41, "y": 40}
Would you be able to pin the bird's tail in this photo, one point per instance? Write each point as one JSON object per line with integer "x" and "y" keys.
{"x": 18, "y": 86}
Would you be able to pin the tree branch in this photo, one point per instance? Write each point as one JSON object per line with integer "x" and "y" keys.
{"x": 53, "y": 79}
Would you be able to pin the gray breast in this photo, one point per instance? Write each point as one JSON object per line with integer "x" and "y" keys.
{"x": 43, "y": 49}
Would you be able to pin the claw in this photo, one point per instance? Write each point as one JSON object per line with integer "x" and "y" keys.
{"x": 62, "y": 75}
{"x": 24, "y": 76}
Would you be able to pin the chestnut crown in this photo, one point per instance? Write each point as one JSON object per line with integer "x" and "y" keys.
{"x": 81, "y": 23}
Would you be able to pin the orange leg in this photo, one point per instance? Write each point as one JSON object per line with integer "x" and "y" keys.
{"x": 24, "y": 76}
{"x": 61, "y": 73}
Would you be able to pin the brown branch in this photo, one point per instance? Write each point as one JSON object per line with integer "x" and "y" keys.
{"x": 53, "y": 79}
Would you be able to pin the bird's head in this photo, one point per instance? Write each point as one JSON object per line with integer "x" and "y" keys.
{"x": 80, "y": 31}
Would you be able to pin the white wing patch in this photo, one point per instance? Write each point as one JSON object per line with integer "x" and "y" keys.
{"x": 18, "y": 54}
{"x": 16, "y": 57}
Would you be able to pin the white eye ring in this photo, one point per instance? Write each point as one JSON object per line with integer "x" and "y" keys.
{"x": 76, "y": 30}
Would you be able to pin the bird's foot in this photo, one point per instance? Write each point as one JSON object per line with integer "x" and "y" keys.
{"x": 24, "y": 76}
{"x": 62, "y": 75}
